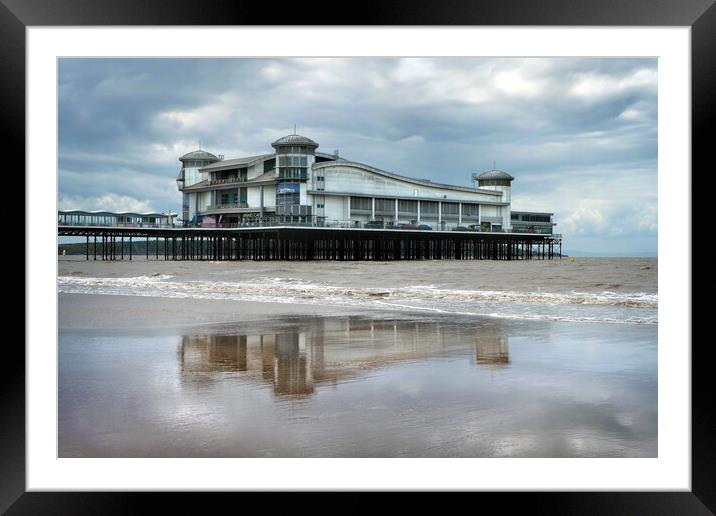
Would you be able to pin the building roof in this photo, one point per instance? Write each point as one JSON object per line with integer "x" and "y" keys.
{"x": 294, "y": 139}
{"x": 422, "y": 182}
{"x": 104, "y": 212}
{"x": 413, "y": 197}
{"x": 199, "y": 155}
{"x": 332, "y": 157}
{"x": 236, "y": 163}
{"x": 519, "y": 212}
{"x": 493, "y": 174}
{"x": 267, "y": 177}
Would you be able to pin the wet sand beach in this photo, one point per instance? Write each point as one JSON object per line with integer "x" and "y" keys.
{"x": 357, "y": 360}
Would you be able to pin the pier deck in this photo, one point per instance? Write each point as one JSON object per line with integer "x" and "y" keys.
{"x": 310, "y": 243}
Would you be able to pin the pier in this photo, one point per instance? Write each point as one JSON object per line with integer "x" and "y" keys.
{"x": 310, "y": 243}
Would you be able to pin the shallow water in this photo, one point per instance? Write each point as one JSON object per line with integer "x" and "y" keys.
{"x": 613, "y": 290}
{"x": 413, "y": 386}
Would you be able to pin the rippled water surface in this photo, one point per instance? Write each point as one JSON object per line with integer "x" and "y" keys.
{"x": 608, "y": 290}
{"x": 431, "y": 385}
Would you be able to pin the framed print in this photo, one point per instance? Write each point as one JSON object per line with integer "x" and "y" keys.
{"x": 439, "y": 250}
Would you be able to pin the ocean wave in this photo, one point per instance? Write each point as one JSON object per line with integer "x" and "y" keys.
{"x": 604, "y": 307}
{"x": 567, "y": 317}
{"x": 297, "y": 288}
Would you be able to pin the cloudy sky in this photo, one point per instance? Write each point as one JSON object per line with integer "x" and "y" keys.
{"x": 579, "y": 135}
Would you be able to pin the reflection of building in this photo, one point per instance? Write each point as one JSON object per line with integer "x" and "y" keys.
{"x": 332, "y": 349}
{"x": 277, "y": 359}
{"x": 491, "y": 349}
{"x": 292, "y": 367}
{"x": 298, "y": 184}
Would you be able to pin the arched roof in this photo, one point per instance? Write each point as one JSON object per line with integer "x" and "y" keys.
{"x": 294, "y": 139}
{"x": 199, "y": 155}
{"x": 392, "y": 175}
{"x": 493, "y": 174}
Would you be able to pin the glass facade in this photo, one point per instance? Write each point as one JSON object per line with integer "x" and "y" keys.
{"x": 292, "y": 162}
{"x": 408, "y": 206}
{"x": 450, "y": 208}
{"x": 361, "y": 203}
{"x": 494, "y": 182}
{"x": 185, "y": 206}
{"x": 293, "y": 173}
{"x": 428, "y": 208}
{"x": 229, "y": 197}
{"x": 531, "y": 217}
{"x": 385, "y": 205}
{"x": 110, "y": 219}
{"x": 196, "y": 164}
{"x": 288, "y": 194}
{"x": 470, "y": 210}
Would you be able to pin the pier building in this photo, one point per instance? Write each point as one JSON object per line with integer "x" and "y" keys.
{"x": 297, "y": 203}
{"x": 297, "y": 184}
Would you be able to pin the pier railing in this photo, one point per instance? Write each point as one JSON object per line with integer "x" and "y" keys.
{"x": 339, "y": 224}
{"x": 226, "y": 206}
{"x": 117, "y": 225}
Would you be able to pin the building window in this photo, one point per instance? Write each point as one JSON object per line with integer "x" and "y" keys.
{"x": 530, "y": 217}
{"x": 361, "y": 203}
{"x": 385, "y": 205}
{"x": 408, "y": 206}
{"x": 428, "y": 208}
{"x": 470, "y": 210}
{"x": 293, "y": 149}
{"x": 229, "y": 198}
{"x": 450, "y": 208}
{"x": 292, "y": 173}
{"x": 288, "y": 193}
{"x": 494, "y": 182}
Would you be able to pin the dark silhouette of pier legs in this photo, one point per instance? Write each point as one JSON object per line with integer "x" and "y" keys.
{"x": 315, "y": 244}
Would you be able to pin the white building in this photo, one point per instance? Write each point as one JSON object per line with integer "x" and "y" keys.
{"x": 297, "y": 184}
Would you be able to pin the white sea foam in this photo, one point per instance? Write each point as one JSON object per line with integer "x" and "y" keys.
{"x": 570, "y": 306}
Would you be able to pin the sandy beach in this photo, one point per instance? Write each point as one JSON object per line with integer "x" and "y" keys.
{"x": 318, "y": 359}
{"x": 100, "y": 312}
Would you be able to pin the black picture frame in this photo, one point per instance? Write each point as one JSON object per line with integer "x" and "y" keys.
{"x": 700, "y": 15}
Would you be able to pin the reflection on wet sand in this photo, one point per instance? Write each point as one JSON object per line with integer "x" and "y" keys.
{"x": 359, "y": 387}
{"x": 299, "y": 356}
{"x": 491, "y": 349}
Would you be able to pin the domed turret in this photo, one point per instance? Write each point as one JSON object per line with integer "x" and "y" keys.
{"x": 294, "y": 139}
{"x": 498, "y": 181}
{"x": 199, "y": 155}
{"x": 191, "y": 162}
{"x": 493, "y": 178}
{"x": 295, "y": 154}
